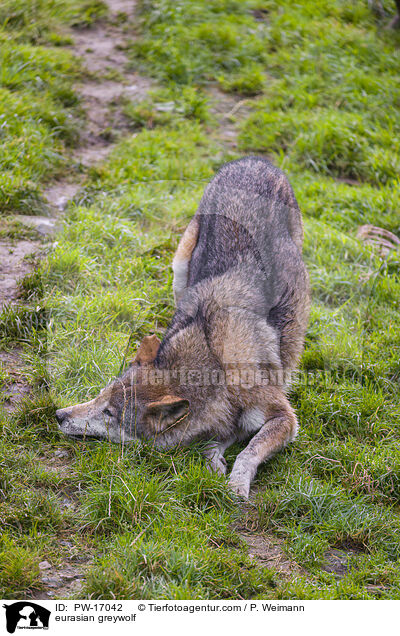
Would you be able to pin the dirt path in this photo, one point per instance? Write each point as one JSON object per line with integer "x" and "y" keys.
{"x": 101, "y": 48}
{"x": 228, "y": 110}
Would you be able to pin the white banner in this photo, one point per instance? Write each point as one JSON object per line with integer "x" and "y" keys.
{"x": 307, "y": 618}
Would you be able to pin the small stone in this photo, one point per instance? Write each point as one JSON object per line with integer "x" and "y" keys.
{"x": 70, "y": 575}
{"x": 67, "y": 503}
{"x": 165, "y": 107}
{"x": 337, "y": 562}
{"x": 61, "y": 453}
{"x": 43, "y": 224}
{"x": 52, "y": 581}
{"x": 44, "y": 565}
{"x": 61, "y": 203}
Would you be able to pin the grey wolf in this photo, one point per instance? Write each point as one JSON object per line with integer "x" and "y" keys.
{"x": 222, "y": 370}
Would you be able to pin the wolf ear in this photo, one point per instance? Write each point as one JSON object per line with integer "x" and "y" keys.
{"x": 168, "y": 410}
{"x": 147, "y": 350}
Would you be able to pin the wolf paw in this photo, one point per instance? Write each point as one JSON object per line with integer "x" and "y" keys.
{"x": 221, "y": 465}
{"x": 217, "y": 464}
{"x": 240, "y": 487}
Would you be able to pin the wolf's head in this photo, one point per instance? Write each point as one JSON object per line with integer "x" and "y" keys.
{"x": 131, "y": 406}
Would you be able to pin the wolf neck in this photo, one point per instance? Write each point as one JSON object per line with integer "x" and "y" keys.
{"x": 187, "y": 342}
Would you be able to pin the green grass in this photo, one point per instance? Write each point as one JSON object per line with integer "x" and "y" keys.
{"x": 322, "y": 83}
{"x": 167, "y": 106}
{"x": 189, "y": 42}
{"x": 332, "y": 95}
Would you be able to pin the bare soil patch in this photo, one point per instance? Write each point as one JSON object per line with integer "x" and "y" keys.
{"x": 59, "y": 193}
{"x": 17, "y": 386}
{"x": 65, "y": 581}
{"x": 14, "y": 266}
{"x": 268, "y": 551}
{"x": 102, "y": 49}
{"x": 265, "y": 547}
{"x": 338, "y": 562}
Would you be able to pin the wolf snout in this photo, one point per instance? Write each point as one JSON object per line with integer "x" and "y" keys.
{"x": 61, "y": 415}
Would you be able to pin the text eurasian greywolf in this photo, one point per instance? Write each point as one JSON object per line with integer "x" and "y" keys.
{"x": 221, "y": 372}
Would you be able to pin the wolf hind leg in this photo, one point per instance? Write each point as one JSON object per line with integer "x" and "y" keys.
{"x": 278, "y": 430}
{"x": 180, "y": 264}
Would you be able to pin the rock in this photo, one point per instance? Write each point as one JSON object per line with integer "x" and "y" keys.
{"x": 61, "y": 453}
{"x": 52, "y": 581}
{"x": 337, "y": 562}
{"x": 67, "y": 503}
{"x": 44, "y": 565}
{"x": 42, "y": 224}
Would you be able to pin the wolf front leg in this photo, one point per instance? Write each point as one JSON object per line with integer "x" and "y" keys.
{"x": 180, "y": 264}
{"x": 214, "y": 454}
{"x": 279, "y": 429}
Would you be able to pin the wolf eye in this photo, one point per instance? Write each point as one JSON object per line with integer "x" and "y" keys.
{"x": 108, "y": 413}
